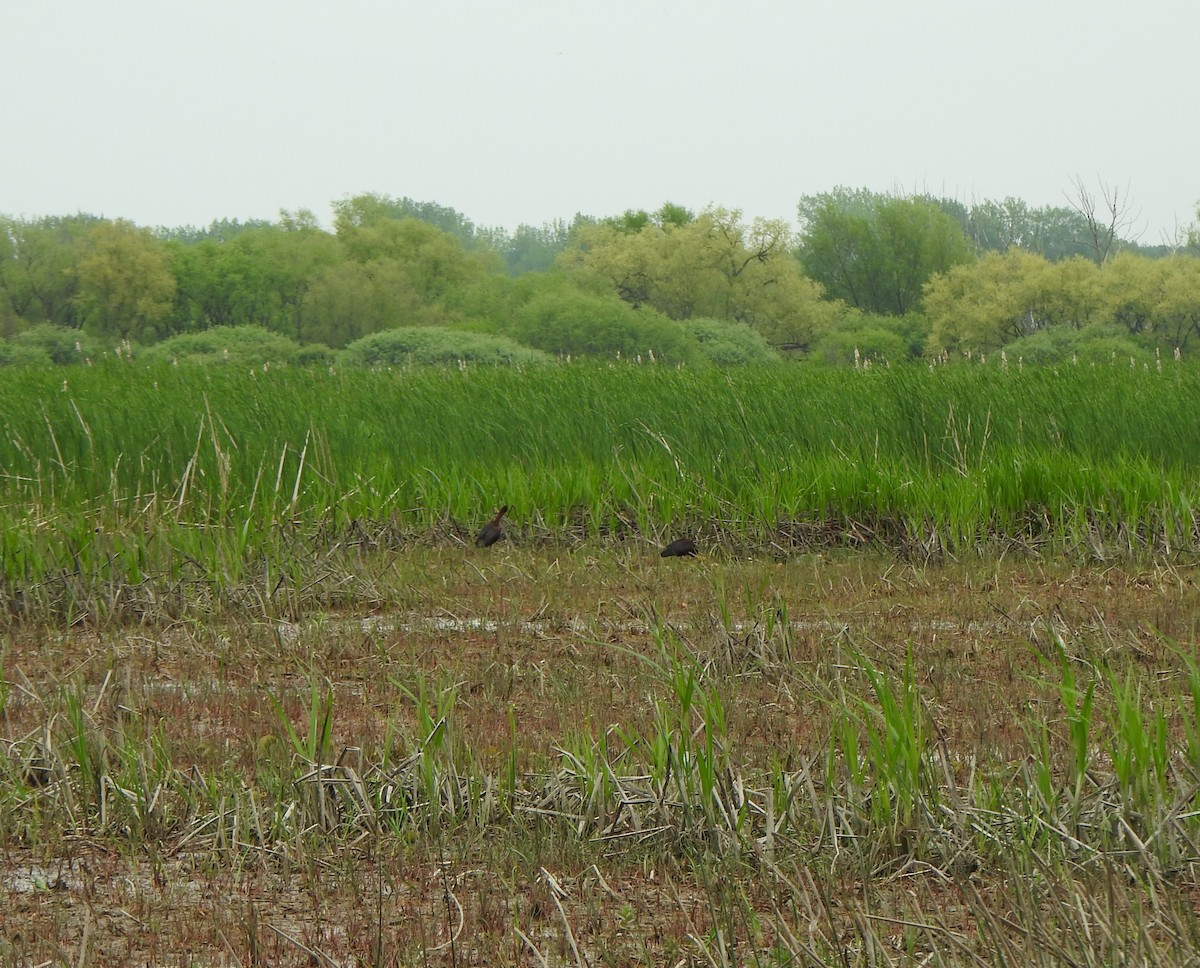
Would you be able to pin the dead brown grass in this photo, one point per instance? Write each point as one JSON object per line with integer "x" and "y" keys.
{"x": 543, "y": 648}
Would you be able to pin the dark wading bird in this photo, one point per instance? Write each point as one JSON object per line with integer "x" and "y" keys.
{"x": 491, "y": 532}
{"x": 679, "y": 548}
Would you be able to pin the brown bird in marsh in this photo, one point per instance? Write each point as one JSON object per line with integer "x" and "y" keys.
{"x": 679, "y": 548}
{"x": 491, "y": 532}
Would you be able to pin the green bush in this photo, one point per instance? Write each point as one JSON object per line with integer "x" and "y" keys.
{"x": 1062, "y": 344}
{"x": 240, "y": 345}
{"x": 16, "y": 354}
{"x": 316, "y": 354}
{"x": 573, "y": 322}
{"x": 881, "y": 339}
{"x": 433, "y": 344}
{"x": 729, "y": 344}
{"x": 870, "y": 343}
{"x": 1113, "y": 348}
{"x": 61, "y": 345}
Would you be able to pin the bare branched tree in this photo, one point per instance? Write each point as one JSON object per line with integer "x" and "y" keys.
{"x": 1176, "y": 240}
{"x": 1108, "y": 217}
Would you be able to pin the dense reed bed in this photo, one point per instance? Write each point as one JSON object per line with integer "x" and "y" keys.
{"x": 125, "y": 470}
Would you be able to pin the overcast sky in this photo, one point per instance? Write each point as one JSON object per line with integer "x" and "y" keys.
{"x": 171, "y": 113}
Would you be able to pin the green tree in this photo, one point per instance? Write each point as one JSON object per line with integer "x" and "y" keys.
{"x": 1054, "y": 232}
{"x": 352, "y": 299}
{"x": 634, "y": 220}
{"x": 219, "y": 230}
{"x": 363, "y": 211}
{"x": 1094, "y": 225}
{"x": 1133, "y": 288}
{"x": 534, "y": 249}
{"x": 434, "y": 261}
{"x": 206, "y": 281}
{"x": 874, "y": 251}
{"x": 259, "y": 276}
{"x": 394, "y": 272}
{"x": 38, "y": 270}
{"x": 126, "y": 287}
{"x": 269, "y": 272}
{"x": 1179, "y": 312}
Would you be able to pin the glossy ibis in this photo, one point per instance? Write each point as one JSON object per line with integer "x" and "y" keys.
{"x": 679, "y": 548}
{"x": 491, "y": 532}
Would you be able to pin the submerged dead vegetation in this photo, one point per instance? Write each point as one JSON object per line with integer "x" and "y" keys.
{"x": 281, "y": 711}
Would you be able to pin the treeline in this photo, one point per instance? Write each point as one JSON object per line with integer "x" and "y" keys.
{"x": 867, "y": 275}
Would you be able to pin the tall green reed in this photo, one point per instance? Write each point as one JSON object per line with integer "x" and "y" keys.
{"x": 207, "y": 468}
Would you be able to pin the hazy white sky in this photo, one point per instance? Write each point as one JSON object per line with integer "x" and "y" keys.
{"x": 172, "y": 113}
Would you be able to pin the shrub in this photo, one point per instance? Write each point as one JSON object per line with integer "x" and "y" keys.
{"x": 882, "y": 339}
{"x": 433, "y": 344}
{"x": 240, "y": 345}
{"x": 578, "y": 323}
{"x": 729, "y": 344}
{"x": 315, "y": 354}
{"x": 1060, "y": 344}
{"x": 16, "y": 354}
{"x": 61, "y": 345}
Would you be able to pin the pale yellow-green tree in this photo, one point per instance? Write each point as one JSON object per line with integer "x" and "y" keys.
{"x": 1133, "y": 289}
{"x": 1072, "y": 296}
{"x": 714, "y": 266}
{"x": 983, "y": 306}
{"x": 1179, "y": 322}
{"x": 126, "y": 286}
{"x": 1157, "y": 299}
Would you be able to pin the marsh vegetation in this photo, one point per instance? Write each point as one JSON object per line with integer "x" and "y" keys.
{"x": 928, "y": 695}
